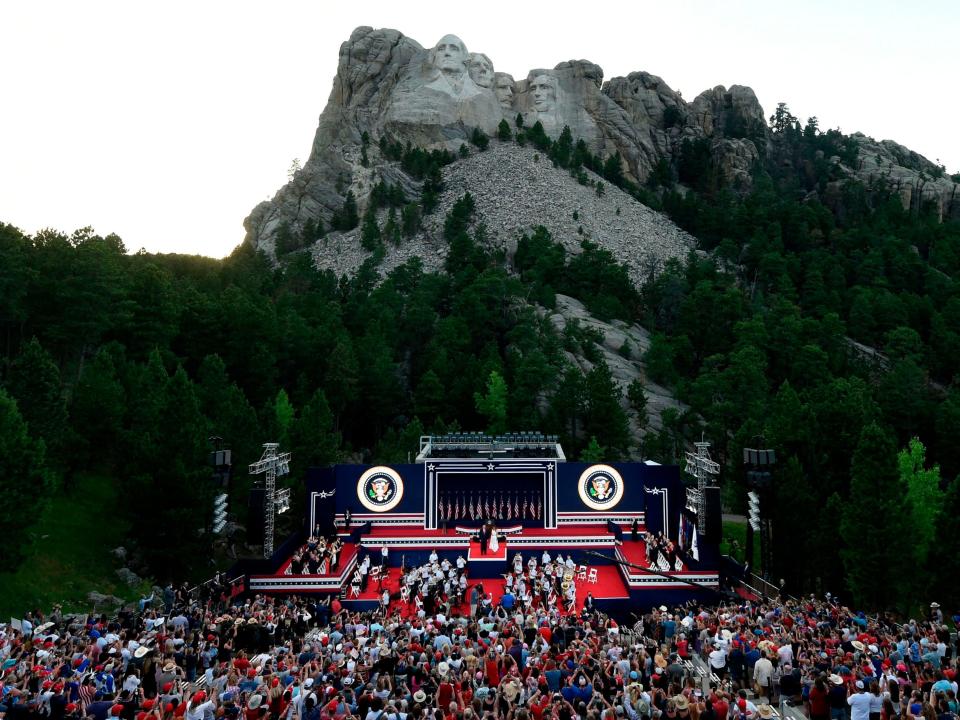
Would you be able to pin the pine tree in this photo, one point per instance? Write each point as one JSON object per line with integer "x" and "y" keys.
{"x": 370, "y": 232}
{"x": 493, "y": 403}
{"x": 503, "y": 131}
{"x": 594, "y": 452}
{"x": 24, "y": 480}
{"x": 605, "y": 418}
{"x": 870, "y": 560}
{"x": 34, "y": 382}
{"x": 314, "y": 442}
{"x": 638, "y": 401}
{"x": 924, "y": 500}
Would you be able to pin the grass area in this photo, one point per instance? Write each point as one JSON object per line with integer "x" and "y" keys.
{"x": 734, "y": 542}
{"x": 68, "y": 552}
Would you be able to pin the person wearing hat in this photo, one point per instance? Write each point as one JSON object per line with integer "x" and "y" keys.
{"x": 859, "y": 702}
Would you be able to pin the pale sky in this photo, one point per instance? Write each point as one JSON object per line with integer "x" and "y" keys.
{"x": 167, "y": 122}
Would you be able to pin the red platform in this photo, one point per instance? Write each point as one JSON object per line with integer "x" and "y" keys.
{"x": 609, "y": 586}
{"x": 474, "y": 554}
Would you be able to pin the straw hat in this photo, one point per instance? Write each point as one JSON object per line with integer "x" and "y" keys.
{"x": 765, "y": 711}
{"x": 680, "y": 702}
{"x": 836, "y": 679}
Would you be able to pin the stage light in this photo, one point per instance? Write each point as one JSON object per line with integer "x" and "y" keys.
{"x": 219, "y": 513}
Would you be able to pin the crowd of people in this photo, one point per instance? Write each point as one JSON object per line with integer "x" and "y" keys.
{"x": 307, "y": 658}
{"x": 319, "y": 555}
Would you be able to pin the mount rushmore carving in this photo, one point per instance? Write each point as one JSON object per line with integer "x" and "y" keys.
{"x": 390, "y": 87}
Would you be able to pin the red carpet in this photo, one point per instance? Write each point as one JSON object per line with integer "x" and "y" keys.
{"x": 475, "y": 554}
{"x": 635, "y": 552}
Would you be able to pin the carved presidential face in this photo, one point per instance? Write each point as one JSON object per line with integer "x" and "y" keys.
{"x": 504, "y": 90}
{"x": 450, "y": 54}
{"x": 544, "y": 90}
{"x": 480, "y": 69}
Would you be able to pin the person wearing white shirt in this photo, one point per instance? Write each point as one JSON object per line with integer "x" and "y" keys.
{"x": 762, "y": 677}
{"x": 859, "y": 703}
{"x": 461, "y": 563}
{"x": 433, "y": 556}
{"x": 546, "y": 557}
{"x": 785, "y": 652}
{"x": 718, "y": 660}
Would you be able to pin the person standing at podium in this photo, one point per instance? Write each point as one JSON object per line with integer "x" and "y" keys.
{"x": 484, "y": 538}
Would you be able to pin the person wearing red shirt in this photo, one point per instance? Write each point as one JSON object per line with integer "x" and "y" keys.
{"x": 819, "y": 700}
{"x": 538, "y": 703}
{"x": 492, "y": 669}
{"x": 720, "y": 705}
{"x": 444, "y": 694}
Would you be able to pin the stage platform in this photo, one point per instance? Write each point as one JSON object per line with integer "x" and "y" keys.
{"x": 610, "y": 586}
{"x": 412, "y": 546}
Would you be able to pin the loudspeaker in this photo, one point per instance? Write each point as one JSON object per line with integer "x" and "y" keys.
{"x": 713, "y": 522}
{"x": 255, "y": 516}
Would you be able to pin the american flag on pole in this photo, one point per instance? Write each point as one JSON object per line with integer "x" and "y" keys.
{"x": 530, "y": 507}
{"x": 440, "y": 510}
{"x": 516, "y": 506}
{"x": 449, "y": 507}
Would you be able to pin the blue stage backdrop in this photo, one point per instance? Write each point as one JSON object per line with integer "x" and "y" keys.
{"x": 568, "y": 493}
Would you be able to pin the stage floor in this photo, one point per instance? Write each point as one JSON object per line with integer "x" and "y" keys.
{"x": 609, "y": 586}
{"x": 413, "y": 544}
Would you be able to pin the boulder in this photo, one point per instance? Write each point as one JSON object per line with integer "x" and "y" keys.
{"x": 129, "y": 577}
{"x": 103, "y": 601}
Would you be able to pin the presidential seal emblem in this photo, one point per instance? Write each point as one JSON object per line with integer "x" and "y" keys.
{"x": 380, "y": 489}
{"x": 601, "y": 487}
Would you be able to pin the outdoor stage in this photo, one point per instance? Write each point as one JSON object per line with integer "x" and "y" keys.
{"x": 544, "y": 504}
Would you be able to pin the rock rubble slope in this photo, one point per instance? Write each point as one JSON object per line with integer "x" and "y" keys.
{"x": 516, "y": 189}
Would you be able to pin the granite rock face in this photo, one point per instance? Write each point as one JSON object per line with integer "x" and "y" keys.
{"x": 915, "y": 179}
{"x": 388, "y": 86}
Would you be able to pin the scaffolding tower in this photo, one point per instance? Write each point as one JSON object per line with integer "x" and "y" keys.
{"x": 702, "y": 468}
{"x": 272, "y": 464}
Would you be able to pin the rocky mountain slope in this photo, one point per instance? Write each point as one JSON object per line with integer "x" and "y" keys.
{"x": 515, "y": 189}
{"x": 623, "y": 369}
{"x": 391, "y": 87}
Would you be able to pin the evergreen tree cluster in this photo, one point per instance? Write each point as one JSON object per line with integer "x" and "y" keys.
{"x": 125, "y": 365}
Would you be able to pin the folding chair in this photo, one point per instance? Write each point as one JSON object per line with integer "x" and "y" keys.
{"x": 592, "y": 576}
{"x": 354, "y": 590}
{"x": 374, "y": 572}
{"x": 582, "y": 572}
